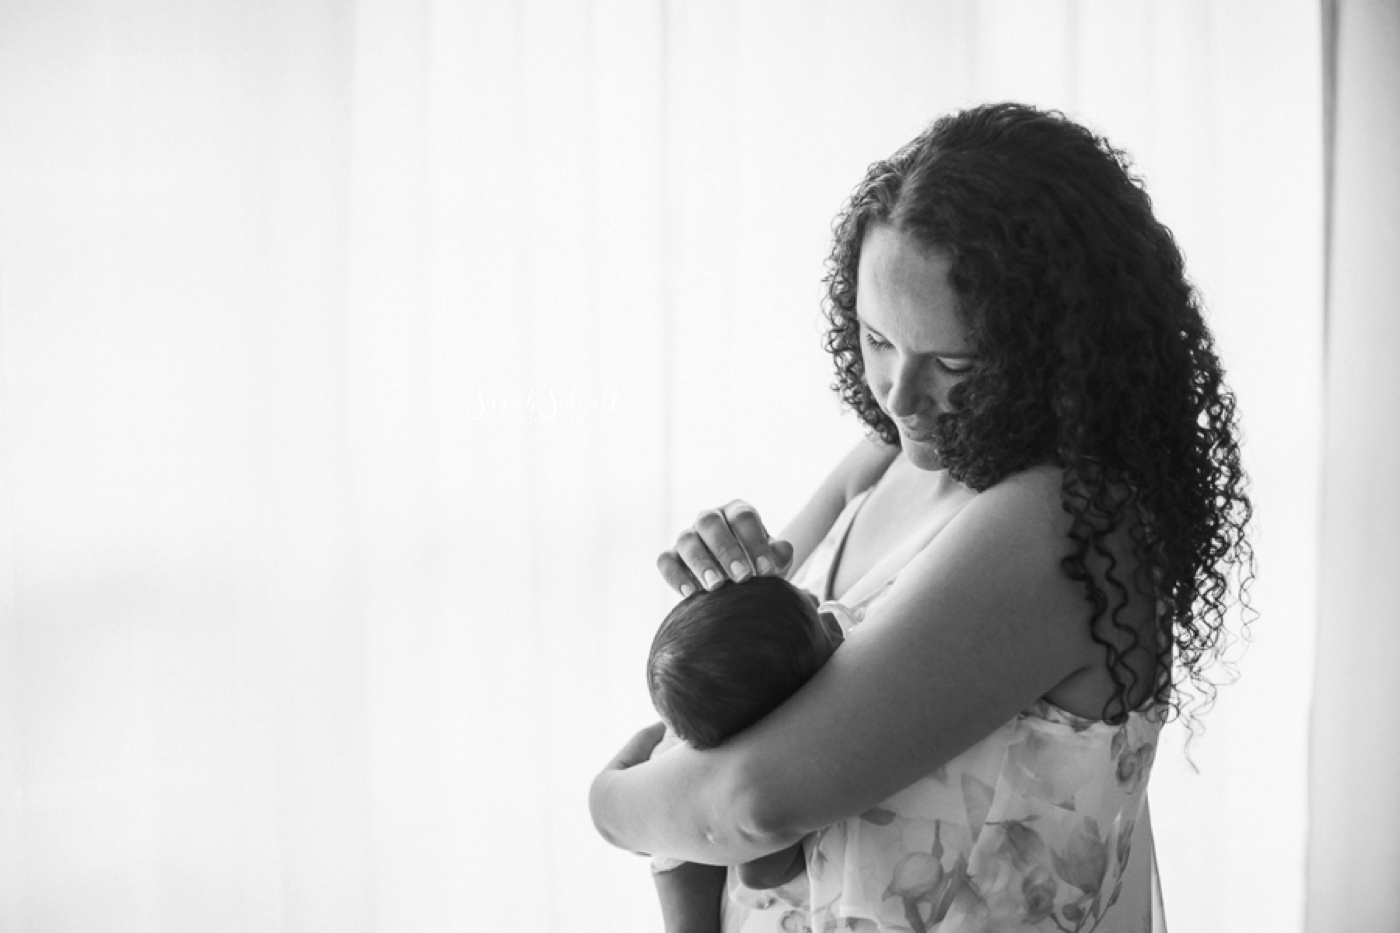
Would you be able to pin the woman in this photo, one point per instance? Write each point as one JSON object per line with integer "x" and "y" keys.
{"x": 1032, "y": 554}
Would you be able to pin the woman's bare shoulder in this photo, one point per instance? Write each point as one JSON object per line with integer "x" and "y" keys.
{"x": 1033, "y": 505}
{"x": 1036, "y": 506}
{"x": 865, "y": 464}
{"x": 1041, "y": 490}
{"x": 1030, "y": 502}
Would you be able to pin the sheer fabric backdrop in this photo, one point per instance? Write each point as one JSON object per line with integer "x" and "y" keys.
{"x": 1354, "y": 851}
{"x": 358, "y": 358}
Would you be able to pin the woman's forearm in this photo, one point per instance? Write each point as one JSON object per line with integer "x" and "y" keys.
{"x": 859, "y": 469}
{"x": 682, "y": 808}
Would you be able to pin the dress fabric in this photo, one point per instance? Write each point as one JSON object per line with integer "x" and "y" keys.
{"x": 1042, "y": 825}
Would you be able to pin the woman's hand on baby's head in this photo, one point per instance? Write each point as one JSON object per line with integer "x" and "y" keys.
{"x": 724, "y": 544}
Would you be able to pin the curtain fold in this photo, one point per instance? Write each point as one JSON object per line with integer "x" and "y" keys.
{"x": 1353, "y": 850}
{"x": 357, "y": 359}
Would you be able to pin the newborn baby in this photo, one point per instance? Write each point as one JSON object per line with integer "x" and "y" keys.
{"x": 721, "y": 661}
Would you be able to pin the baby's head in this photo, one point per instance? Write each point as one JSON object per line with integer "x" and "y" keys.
{"x": 724, "y": 659}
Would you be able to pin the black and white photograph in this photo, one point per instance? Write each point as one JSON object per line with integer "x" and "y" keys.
{"x": 699, "y": 466}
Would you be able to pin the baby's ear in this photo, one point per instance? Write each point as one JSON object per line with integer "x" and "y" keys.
{"x": 811, "y": 598}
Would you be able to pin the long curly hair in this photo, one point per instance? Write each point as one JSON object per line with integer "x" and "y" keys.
{"x": 1092, "y": 354}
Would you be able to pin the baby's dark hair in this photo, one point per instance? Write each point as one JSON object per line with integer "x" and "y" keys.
{"x": 724, "y": 659}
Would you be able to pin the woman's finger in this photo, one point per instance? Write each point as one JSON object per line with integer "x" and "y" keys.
{"x": 782, "y": 552}
{"x": 638, "y": 748}
{"x": 748, "y": 530}
{"x": 675, "y": 573}
{"x": 729, "y": 555}
{"x": 701, "y": 562}
{"x": 747, "y": 527}
{"x": 725, "y": 544}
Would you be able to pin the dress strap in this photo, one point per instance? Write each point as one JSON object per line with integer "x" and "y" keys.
{"x": 842, "y": 530}
{"x": 848, "y": 518}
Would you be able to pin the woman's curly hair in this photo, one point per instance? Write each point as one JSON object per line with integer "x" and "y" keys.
{"x": 1091, "y": 354}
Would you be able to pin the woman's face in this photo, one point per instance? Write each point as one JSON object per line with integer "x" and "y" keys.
{"x": 913, "y": 344}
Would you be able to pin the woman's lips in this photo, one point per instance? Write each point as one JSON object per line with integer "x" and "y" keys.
{"x": 913, "y": 435}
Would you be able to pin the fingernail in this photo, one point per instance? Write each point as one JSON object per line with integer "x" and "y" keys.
{"x": 738, "y": 570}
{"x": 711, "y": 579}
{"x": 764, "y": 565}
{"x": 687, "y": 589}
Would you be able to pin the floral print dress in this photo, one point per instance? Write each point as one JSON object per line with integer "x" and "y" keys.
{"x": 1040, "y": 826}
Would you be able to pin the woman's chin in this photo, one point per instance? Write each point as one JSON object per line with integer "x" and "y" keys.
{"x": 922, "y": 454}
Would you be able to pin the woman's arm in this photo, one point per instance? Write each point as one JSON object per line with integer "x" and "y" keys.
{"x": 691, "y": 896}
{"x": 858, "y": 470}
{"x": 977, "y": 627}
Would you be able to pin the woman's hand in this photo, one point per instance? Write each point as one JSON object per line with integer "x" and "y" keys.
{"x": 638, "y": 748}
{"x": 725, "y": 544}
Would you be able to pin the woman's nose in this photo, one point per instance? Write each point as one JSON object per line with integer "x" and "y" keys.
{"x": 909, "y": 394}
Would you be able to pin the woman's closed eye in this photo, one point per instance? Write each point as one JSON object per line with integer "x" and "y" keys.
{"x": 874, "y": 342}
{"x": 956, "y": 365}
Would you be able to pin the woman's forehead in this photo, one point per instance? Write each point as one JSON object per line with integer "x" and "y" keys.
{"x": 903, "y": 291}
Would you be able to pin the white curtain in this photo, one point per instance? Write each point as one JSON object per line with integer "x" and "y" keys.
{"x": 356, "y": 359}
{"x": 1354, "y": 849}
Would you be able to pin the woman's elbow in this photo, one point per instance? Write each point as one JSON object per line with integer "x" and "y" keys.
{"x": 763, "y": 820}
